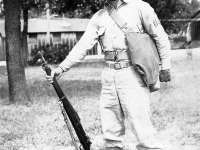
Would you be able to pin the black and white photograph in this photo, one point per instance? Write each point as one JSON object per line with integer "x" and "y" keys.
{"x": 99, "y": 74}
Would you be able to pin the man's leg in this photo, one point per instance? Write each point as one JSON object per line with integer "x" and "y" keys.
{"x": 134, "y": 97}
{"x": 112, "y": 116}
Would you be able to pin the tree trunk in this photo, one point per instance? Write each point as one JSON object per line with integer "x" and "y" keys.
{"x": 24, "y": 38}
{"x": 16, "y": 74}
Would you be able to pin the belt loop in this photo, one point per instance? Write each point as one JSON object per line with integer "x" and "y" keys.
{"x": 109, "y": 65}
{"x": 121, "y": 64}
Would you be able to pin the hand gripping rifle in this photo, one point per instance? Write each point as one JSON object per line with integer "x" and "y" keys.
{"x": 68, "y": 112}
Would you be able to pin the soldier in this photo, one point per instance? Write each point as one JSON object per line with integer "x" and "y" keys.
{"x": 123, "y": 95}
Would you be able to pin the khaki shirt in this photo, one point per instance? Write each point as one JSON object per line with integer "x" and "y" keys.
{"x": 139, "y": 16}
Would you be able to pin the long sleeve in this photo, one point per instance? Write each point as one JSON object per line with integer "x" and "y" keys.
{"x": 155, "y": 29}
{"x": 87, "y": 41}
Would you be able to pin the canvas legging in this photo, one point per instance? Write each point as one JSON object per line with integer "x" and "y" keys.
{"x": 124, "y": 95}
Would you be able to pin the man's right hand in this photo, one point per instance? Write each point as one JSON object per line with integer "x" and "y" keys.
{"x": 57, "y": 73}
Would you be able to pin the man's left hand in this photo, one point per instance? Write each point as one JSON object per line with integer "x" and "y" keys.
{"x": 165, "y": 75}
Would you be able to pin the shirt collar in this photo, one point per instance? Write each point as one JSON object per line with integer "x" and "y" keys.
{"x": 126, "y": 1}
{"x": 122, "y": 1}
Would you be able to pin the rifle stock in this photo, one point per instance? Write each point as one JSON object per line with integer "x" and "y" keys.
{"x": 72, "y": 114}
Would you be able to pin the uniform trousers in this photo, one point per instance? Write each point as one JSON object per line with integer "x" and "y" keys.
{"x": 124, "y": 95}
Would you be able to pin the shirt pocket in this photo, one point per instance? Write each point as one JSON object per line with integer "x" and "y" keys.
{"x": 134, "y": 27}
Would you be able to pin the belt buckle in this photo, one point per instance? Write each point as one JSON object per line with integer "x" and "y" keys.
{"x": 119, "y": 64}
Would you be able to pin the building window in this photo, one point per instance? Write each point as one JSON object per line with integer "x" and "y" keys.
{"x": 56, "y": 37}
{"x": 32, "y": 38}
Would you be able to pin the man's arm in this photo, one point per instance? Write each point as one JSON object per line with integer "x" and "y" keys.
{"x": 87, "y": 41}
{"x": 155, "y": 29}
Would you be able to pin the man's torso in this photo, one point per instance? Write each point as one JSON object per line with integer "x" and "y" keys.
{"x": 111, "y": 36}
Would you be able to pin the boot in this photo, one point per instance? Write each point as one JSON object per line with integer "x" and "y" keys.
{"x": 113, "y": 148}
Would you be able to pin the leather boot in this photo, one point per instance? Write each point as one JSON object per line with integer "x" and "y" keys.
{"x": 143, "y": 148}
{"x": 113, "y": 148}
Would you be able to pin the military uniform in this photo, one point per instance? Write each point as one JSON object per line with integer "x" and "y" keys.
{"x": 123, "y": 94}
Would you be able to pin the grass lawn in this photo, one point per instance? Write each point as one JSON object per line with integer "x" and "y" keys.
{"x": 175, "y": 108}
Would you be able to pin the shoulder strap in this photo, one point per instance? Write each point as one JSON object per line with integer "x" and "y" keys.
{"x": 117, "y": 18}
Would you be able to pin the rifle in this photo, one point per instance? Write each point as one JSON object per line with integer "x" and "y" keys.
{"x": 68, "y": 112}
